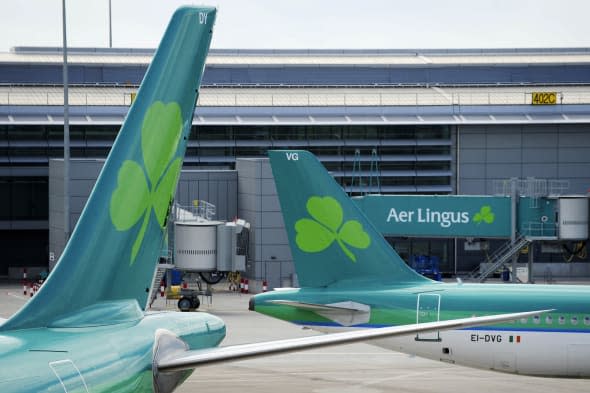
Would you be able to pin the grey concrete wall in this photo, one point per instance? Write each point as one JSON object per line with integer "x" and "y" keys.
{"x": 219, "y": 187}
{"x": 83, "y": 175}
{"x": 258, "y": 203}
{"x": 495, "y": 152}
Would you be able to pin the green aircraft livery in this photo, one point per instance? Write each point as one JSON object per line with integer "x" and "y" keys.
{"x": 317, "y": 234}
{"x": 379, "y": 290}
{"x": 86, "y": 330}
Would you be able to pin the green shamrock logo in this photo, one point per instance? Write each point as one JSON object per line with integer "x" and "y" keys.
{"x": 136, "y": 194}
{"x": 317, "y": 234}
{"x": 485, "y": 214}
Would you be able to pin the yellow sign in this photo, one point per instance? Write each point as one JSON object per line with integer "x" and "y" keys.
{"x": 133, "y": 95}
{"x": 544, "y": 98}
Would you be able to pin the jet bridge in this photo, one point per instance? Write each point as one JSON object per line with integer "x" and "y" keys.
{"x": 202, "y": 249}
{"x": 530, "y": 214}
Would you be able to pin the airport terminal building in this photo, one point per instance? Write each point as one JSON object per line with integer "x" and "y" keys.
{"x": 434, "y": 122}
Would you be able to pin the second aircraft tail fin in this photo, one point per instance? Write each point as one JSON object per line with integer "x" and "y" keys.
{"x": 331, "y": 239}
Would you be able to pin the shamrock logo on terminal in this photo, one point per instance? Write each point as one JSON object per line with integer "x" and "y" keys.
{"x": 485, "y": 214}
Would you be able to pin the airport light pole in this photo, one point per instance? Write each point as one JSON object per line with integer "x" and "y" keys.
{"x": 66, "y": 130}
{"x": 110, "y": 26}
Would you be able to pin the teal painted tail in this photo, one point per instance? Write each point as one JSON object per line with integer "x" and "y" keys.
{"x": 331, "y": 239}
{"x": 115, "y": 246}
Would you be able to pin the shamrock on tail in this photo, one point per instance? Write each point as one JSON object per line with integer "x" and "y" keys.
{"x": 135, "y": 194}
{"x": 317, "y": 234}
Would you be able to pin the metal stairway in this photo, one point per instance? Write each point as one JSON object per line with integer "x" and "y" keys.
{"x": 158, "y": 276}
{"x": 364, "y": 187}
{"x": 499, "y": 258}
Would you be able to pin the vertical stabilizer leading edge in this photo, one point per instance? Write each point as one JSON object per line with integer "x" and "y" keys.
{"x": 113, "y": 250}
{"x": 331, "y": 239}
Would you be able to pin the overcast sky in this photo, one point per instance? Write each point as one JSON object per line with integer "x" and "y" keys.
{"x": 304, "y": 24}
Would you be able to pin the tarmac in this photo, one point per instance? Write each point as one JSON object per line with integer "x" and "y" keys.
{"x": 350, "y": 368}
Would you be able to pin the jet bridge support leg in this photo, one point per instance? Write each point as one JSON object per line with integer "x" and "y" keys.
{"x": 530, "y": 262}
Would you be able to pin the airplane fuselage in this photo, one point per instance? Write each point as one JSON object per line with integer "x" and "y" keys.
{"x": 554, "y": 344}
{"x": 112, "y": 358}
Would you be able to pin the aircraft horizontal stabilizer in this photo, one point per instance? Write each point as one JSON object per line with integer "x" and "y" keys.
{"x": 344, "y": 313}
{"x": 191, "y": 359}
{"x": 344, "y": 306}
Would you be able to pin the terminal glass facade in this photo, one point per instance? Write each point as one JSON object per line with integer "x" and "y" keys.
{"x": 405, "y": 159}
{"x": 393, "y": 159}
{"x": 363, "y": 158}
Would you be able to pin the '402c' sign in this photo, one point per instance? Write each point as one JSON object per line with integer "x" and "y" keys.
{"x": 436, "y": 215}
{"x": 544, "y": 98}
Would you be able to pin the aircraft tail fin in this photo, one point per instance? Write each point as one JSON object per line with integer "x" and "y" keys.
{"x": 112, "y": 253}
{"x": 331, "y": 239}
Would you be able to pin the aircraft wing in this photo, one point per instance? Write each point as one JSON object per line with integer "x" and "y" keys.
{"x": 184, "y": 360}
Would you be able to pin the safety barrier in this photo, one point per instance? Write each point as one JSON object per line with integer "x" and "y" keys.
{"x": 566, "y": 95}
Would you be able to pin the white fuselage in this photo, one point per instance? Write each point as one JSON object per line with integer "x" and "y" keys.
{"x": 548, "y": 354}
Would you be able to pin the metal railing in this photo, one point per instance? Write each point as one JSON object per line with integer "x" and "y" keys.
{"x": 199, "y": 210}
{"x": 530, "y": 187}
{"x": 540, "y": 229}
{"x": 498, "y": 259}
{"x": 307, "y": 97}
{"x": 44, "y": 98}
